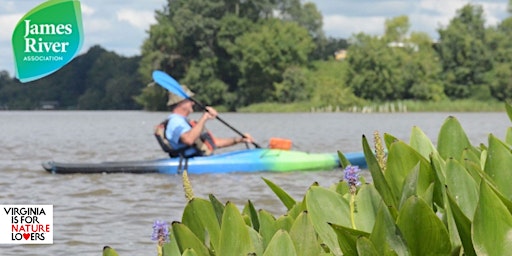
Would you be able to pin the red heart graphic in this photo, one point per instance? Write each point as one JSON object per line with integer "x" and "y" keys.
{"x": 26, "y": 236}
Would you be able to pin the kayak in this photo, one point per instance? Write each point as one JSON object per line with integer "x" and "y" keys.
{"x": 247, "y": 160}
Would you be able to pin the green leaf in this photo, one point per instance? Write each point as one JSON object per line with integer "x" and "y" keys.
{"x": 171, "y": 248}
{"x": 365, "y": 247}
{"x": 257, "y": 241}
{"x": 234, "y": 235}
{"x": 423, "y": 231}
{"x": 189, "y": 252}
{"x": 386, "y": 236}
{"x": 284, "y": 222}
{"x": 462, "y": 187}
{"x": 368, "y": 202}
{"x": 304, "y": 237}
{"x": 254, "y": 216}
{"x": 187, "y": 239}
{"x": 492, "y": 224}
{"x": 389, "y": 139}
{"x": 421, "y": 143}
{"x": 281, "y": 244}
{"x": 343, "y": 160}
{"x": 402, "y": 159}
{"x": 463, "y": 224}
{"x": 378, "y": 178}
{"x": 326, "y": 206}
{"x": 508, "y": 108}
{"x": 287, "y": 200}
{"x": 508, "y": 136}
{"x": 199, "y": 216}
{"x": 497, "y": 165}
{"x": 452, "y": 140}
{"x": 268, "y": 226}
{"x": 109, "y": 251}
{"x": 412, "y": 186}
{"x": 218, "y": 207}
{"x": 347, "y": 238}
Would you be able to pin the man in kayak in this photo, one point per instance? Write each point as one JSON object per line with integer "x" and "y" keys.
{"x": 189, "y": 137}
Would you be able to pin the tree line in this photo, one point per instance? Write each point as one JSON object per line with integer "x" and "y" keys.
{"x": 234, "y": 54}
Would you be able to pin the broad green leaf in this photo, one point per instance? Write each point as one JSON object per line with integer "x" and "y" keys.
{"x": 421, "y": 143}
{"x": 423, "y": 231}
{"x": 389, "y": 139}
{"x": 365, "y": 247}
{"x": 284, "y": 222}
{"x": 492, "y": 225}
{"x": 326, "y": 206}
{"x": 449, "y": 221}
{"x": 412, "y": 186}
{"x": 368, "y": 202}
{"x": 218, "y": 207}
{"x": 304, "y": 237}
{"x": 385, "y": 235}
{"x": 234, "y": 235}
{"x": 463, "y": 224}
{"x": 474, "y": 169}
{"x": 189, "y": 252}
{"x": 402, "y": 160}
{"x": 268, "y": 226}
{"x": 347, "y": 239}
{"x": 439, "y": 169}
{"x": 199, "y": 216}
{"x": 281, "y": 244}
{"x": 297, "y": 209}
{"x": 343, "y": 160}
{"x": 109, "y": 251}
{"x": 171, "y": 248}
{"x": 287, "y": 200}
{"x": 257, "y": 241}
{"x": 187, "y": 239}
{"x": 498, "y": 164}
{"x": 508, "y": 108}
{"x": 462, "y": 187}
{"x": 378, "y": 178}
{"x": 452, "y": 139}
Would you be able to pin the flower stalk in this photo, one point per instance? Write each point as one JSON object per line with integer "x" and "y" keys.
{"x": 160, "y": 234}
{"x": 187, "y": 187}
{"x": 379, "y": 151}
{"x": 351, "y": 175}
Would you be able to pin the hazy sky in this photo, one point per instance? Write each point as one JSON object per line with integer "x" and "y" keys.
{"x": 120, "y": 26}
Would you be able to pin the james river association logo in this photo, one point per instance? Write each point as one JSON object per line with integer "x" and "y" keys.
{"x": 26, "y": 224}
{"x": 47, "y": 38}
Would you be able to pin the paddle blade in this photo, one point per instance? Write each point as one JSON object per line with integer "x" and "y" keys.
{"x": 169, "y": 83}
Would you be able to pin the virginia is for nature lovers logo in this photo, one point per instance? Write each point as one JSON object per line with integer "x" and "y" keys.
{"x": 47, "y": 38}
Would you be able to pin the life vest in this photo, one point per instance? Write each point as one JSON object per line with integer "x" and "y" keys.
{"x": 205, "y": 144}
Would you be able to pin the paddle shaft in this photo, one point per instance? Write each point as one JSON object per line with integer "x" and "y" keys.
{"x": 221, "y": 120}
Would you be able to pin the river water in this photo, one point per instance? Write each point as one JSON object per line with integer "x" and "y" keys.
{"x": 91, "y": 211}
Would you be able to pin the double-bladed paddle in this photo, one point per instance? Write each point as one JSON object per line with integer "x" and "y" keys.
{"x": 169, "y": 83}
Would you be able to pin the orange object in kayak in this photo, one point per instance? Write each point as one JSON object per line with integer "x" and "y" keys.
{"x": 279, "y": 143}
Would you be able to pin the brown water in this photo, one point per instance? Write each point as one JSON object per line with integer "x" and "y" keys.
{"x": 91, "y": 211}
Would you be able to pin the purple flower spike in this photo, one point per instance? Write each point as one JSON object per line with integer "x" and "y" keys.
{"x": 351, "y": 174}
{"x": 160, "y": 231}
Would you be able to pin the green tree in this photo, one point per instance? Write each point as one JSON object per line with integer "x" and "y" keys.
{"x": 198, "y": 43}
{"x": 266, "y": 53}
{"x": 501, "y": 46}
{"x": 464, "y": 53}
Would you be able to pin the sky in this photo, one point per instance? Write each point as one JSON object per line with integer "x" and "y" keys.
{"x": 121, "y": 26}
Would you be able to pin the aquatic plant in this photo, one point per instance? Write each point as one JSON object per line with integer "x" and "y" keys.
{"x": 450, "y": 199}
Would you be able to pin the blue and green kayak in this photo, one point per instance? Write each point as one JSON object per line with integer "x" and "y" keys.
{"x": 248, "y": 160}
